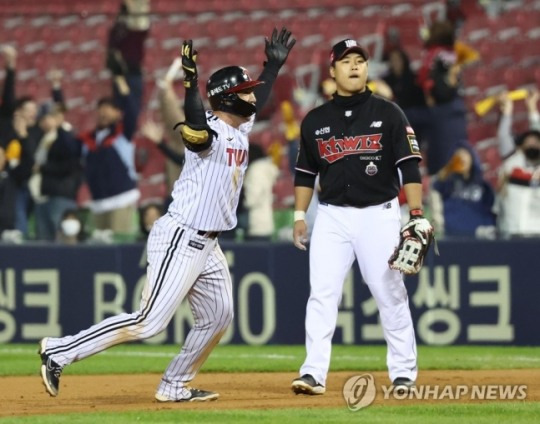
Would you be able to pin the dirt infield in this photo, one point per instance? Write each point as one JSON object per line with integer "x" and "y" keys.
{"x": 26, "y": 396}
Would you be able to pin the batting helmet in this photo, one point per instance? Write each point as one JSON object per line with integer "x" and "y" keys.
{"x": 222, "y": 89}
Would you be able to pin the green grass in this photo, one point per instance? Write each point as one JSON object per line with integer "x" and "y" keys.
{"x": 138, "y": 358}
{"x": 509, "y": 413}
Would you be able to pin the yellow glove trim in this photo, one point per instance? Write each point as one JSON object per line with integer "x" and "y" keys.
{"x": 185, "y": 50}
{"x": 194, "y": 136}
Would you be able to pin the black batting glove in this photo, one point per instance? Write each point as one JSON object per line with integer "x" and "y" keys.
{"x": 189, "y": 57}
{"x": 278, "y": 47}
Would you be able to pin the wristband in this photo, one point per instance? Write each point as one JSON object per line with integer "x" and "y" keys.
{"x": 414, "y": 213}
{"x": 299, "y": 216}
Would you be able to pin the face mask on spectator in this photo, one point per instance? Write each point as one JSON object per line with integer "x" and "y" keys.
{"x": 70, "y": 227}
{"x": 532, "y": 153}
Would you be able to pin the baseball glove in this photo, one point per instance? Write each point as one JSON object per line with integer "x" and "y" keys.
{"x": 415, "y": 238}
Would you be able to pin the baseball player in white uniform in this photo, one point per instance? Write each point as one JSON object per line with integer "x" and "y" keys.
{"x": 184, "y": 256}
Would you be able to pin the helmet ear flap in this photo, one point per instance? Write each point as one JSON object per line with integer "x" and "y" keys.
{"x": 222, "y": 101}
{"x": 215, "y": 102}
{"x": 228, "y": 99}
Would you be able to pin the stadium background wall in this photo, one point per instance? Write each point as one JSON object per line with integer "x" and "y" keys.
{"x": 476, "y": 292}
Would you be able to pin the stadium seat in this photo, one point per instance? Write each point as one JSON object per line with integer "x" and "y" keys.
{"x": 72, "y": 36}
{"x": 481, "y": 131}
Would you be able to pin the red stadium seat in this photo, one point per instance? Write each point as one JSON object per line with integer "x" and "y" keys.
{"x": 232, "y": 32}
{"x": 481, "y": 131}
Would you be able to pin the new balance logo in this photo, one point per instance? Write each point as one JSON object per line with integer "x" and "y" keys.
{"x": 376, "y": 124}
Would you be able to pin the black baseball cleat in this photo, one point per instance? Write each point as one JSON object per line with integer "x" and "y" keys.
{"x": 50, "y": 371}
{"x": 196, "y": 395}
{"x": 403, "y": 385}
{"x": 307, "y": 385}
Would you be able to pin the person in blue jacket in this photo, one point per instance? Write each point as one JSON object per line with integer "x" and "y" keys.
{"x": 462, "y": 200}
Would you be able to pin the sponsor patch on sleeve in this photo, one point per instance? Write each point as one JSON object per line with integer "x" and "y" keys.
{"x": 196, "y": 245}
{"x": 413, "y": 144}
{"x": 409, "y": 130}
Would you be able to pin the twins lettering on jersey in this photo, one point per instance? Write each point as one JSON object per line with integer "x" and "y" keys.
{"x": 236, "y": 156}
{"x": 336, "y": 148}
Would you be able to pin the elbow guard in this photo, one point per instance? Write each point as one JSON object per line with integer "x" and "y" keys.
{"x": 196, "y": 137}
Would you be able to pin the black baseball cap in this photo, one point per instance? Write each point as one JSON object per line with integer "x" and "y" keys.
{"x": 344, "y": 47}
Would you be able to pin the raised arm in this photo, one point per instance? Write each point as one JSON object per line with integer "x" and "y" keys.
{"x": 169, "y": 103}
{"x": 55, "y": 78}
{"x": 277, "y": 49}
{"x": 154, "y": 132}
{"x": 196, "y": 133}
{"x": 127, "y": 91}
{"x": 128, "y": 95}
{"x": 505, "y": 140}
{"x": 532, "y": 110}
{"x": 194, "y": 108}
{"x": 8, "y": 96}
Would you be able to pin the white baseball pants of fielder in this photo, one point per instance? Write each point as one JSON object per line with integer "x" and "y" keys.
{"x": 369, "y": 235}
{"x": 176, "y": 269}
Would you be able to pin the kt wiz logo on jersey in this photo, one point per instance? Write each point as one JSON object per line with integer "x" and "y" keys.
{"x": 336, "y": 148}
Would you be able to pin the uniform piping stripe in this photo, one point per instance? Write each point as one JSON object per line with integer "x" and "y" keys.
{"x": 144, "y": 313}
{"x": 408, "y": 157}
{"x": 163, "y": 271}
{"x": 306, "y": 171}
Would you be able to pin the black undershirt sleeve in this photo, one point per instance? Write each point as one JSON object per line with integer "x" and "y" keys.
{"x": 193, "y": 106}
{"x": 303, "y": 179}
{"x": 410, "y": 171}
{"x": 262, "y": 92}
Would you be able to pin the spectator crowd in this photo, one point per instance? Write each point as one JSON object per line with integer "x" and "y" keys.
{"x": 45, "y": 161}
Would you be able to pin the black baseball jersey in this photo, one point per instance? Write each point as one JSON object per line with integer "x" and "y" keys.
{"x": 354, "y": 144}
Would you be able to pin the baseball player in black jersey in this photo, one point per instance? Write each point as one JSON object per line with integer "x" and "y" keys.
{"x": 362, "y": 148}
